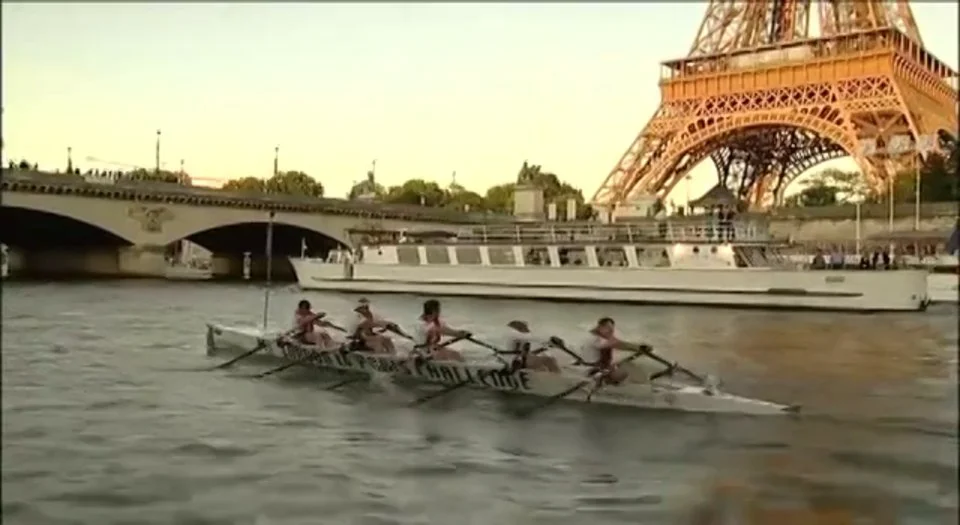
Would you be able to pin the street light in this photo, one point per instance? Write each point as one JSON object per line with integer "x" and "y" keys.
{"x": 857, "y": 199}
{"x": 276, "y": 160}
{"x": 896, "y": 147}
{"x": 157, "y": 164}
{"x": 686, "y": 208}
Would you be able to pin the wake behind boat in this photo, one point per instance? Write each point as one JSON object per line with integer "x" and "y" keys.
{"x": 656, "y": 394}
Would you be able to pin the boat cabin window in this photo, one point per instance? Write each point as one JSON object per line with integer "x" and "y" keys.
{"x": 652, "y": 257}
{"x": 536, "y": 256}
{"x": 611, "y": 256}
{"x": 437, "y": 255}
{"x": 408, "y": 255}
{"x": 573, "y": 256}
{"x": 501, "y": 255}
{"x": 751, "y": 256}
{"x": 468, "y": 255}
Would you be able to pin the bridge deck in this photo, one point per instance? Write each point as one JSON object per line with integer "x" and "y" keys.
{"x": 62, "y": 184}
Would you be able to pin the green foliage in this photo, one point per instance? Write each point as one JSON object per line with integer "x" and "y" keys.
{"x": 294, "y": 183}
{"x": 938, "y": 183}
{"x": 419, "y": 192}
{"x": 246, "y": 185}
{"x": 285, "y": 182}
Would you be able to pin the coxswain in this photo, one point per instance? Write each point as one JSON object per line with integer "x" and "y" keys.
{"x": 430, "y": 329}
{"x": 520, "y": 341}
{"x": 308, "y": 326}
{"x": 362, "y": 326}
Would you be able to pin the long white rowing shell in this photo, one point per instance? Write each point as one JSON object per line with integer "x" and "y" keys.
{"x": 656, "y": 395}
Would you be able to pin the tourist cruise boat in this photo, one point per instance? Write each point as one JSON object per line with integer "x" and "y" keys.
{"x": 673, "y": 261}
{"x": 932, "y": 251}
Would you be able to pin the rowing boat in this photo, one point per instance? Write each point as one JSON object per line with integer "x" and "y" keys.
{"x": 658, "y": 394}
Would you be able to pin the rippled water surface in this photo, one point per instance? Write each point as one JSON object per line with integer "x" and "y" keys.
{"x": 106, "y": 420}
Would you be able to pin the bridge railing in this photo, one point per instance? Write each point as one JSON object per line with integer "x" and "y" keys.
{"x": 18, "y": 180}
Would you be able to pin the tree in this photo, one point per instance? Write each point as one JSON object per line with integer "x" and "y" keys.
{"x": 285, "y": 182}
{"x": 460, "y": 198}
{"x": 294, "y": 183}
{"x": 416, "y": 192}
{"x": 499, "y": 198}
{"x": 816, "y": 194}
{"x": 367, "y": 189}
{"x": 245, "y": 184}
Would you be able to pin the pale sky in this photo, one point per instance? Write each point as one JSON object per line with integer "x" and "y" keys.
{"x": 426, "y": 89}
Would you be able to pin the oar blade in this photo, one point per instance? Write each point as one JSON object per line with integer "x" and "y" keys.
{"x": 261, "y": 344}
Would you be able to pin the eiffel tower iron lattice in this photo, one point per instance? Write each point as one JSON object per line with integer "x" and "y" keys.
{"x": 766, "y": 102}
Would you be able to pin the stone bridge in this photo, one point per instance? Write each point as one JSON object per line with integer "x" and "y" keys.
{"x": 51, "y": 217}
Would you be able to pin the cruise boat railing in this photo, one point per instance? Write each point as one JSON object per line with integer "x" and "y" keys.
{"x": 700, "y": 231}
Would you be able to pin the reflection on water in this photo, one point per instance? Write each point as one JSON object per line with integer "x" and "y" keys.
{"x": 104, "y": 423}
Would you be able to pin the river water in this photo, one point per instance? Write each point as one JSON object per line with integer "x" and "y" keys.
{"x": 106, "y": 420}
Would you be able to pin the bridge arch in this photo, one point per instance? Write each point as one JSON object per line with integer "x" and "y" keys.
{"x": 699, "y": 139}
{"x": 238, "y": 236}
{"x": 42, "y": 228}
{"x": 198, "y": 225}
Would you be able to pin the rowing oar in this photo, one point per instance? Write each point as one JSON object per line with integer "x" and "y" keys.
{"x": 462, "y": 384}
{"x": 282, "y": 367}
{"x": 646, "y": 350}
{"x": 355, "y": 379}
{"x": 598, "y": 377}
{"x": 577, "y": 360}
{"x": 261, "y": 344}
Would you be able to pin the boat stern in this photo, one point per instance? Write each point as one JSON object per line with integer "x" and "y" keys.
{"x": 311, "y": 273}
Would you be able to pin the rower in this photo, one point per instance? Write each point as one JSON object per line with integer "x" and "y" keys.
{"x": 598, "y": 351}
{"x": 309, "y": 326}
{"x": 520, "y": 341}
{"x": 430, "y": 328}
{"x": 361, "y": 329}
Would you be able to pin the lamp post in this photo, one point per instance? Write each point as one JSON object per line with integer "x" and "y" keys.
{"x": 857, "y": 199}
{"x": 157, "y": 160}
{"x": 686, "y": 207}
{"x": 276, "y": 160}
{"x": 69, "y": 159}
{"x": 898, "y": 146}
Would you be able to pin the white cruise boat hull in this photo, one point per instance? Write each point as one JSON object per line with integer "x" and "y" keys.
{"x": 662, "y": 395}
{"x": 903, "y": 290}
{"x": 943, "y": 287}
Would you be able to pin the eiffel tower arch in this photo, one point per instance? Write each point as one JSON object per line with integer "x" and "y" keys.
{"x": 766, "y": 102}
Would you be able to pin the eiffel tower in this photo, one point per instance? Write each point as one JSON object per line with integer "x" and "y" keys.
{"x": 766, "y": 102}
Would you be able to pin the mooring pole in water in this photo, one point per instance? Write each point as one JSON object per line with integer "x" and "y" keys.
{"x": 269, "y": 250}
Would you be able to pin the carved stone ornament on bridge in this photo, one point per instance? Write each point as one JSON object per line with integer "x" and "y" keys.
{"x": 150, "y": 219}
